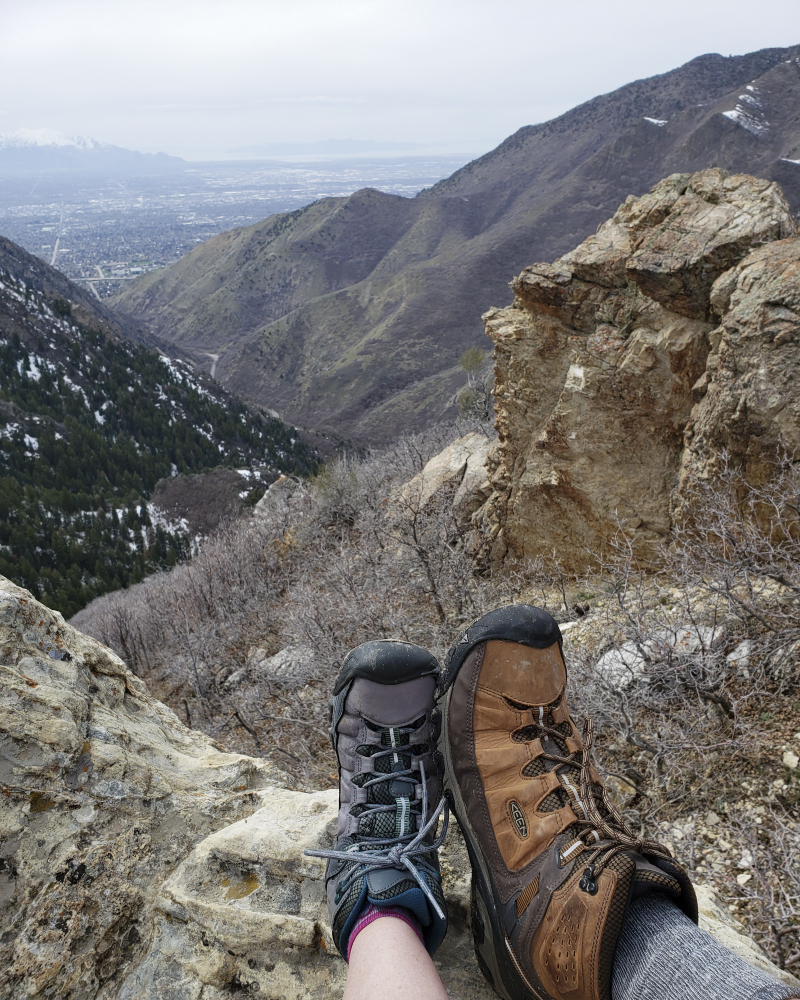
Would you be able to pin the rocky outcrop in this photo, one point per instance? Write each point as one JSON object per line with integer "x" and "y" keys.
{"x": 246, "y": 910}
{"x": 104, "y": 791}
{"x": 603, "y": 356}
{"x": 279, "y": 498}
{"x": 138, "y": 861}
{"x": 749, "y": 401}
{"x": 456, "y": 477}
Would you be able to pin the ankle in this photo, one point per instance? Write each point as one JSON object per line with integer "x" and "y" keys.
{"x": 372, "y": 913}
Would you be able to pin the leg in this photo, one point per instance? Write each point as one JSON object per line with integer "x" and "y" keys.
{"x": 388, "y": 960}
{"x": 662, "y": 955}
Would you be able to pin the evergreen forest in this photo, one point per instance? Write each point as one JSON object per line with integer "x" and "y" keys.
{"x": 89, "y": 423}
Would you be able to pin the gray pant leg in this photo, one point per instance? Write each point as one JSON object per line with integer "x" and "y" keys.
{"x": 662, "y": 955}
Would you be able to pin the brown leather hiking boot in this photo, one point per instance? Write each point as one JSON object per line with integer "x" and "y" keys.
{"x": 553, "y": 863}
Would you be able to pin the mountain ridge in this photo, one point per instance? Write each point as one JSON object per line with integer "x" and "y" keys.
{"x": 350, "y": 315}
{"x": 27, "y": 149}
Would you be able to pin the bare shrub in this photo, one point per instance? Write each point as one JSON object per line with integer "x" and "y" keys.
{"x": 742, "y": 549}
{"x": 346, "y": 560}
{"x": 690, "y": 668}
{"x": 475, "y": 400}
{"x": 770, "y": 898}
{"x": 189, "y": 627}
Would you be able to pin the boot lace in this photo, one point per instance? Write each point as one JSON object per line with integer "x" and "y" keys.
{"x": 407, "y": 850}
{"x": 603, "y": 834}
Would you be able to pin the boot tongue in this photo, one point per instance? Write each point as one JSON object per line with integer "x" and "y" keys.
{"x": 648, "y": 878}
{"x": 393, "y": 887}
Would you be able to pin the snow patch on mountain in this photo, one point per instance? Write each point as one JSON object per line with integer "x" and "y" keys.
{"x": 748, "y": 112}
{"x": 26, "y": 137}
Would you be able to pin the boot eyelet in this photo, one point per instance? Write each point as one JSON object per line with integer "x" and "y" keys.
{"x": 588, "y": 882}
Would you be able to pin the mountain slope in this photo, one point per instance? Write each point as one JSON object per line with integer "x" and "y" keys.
{"x": 351, "y": 314}
{"x": 89, "y": 422}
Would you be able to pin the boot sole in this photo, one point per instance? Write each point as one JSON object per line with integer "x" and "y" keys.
{"x": 492, "y": 947}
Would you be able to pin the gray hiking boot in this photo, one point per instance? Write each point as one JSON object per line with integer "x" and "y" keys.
{"x": 384, "y": 729}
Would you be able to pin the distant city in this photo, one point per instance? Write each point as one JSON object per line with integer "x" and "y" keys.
{"x": 102, "y": 231}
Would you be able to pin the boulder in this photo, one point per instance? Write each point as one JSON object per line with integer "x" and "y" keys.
{"x": 279, "y": 499}
{"x": 602, "y": 361}
{"x": 457, "y": 477}
{"x": 292, "y": 664}
{"x": 629, "y": 661}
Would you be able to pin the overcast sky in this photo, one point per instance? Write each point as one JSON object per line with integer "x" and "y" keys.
{"x": 206, "y": 79}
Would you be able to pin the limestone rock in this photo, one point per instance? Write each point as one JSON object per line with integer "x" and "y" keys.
{"x": 629, "y": 661}
{"x": 279, "y": 498}
{"x": 104, "y": 791}
{"x": 750, "y": 405}
{"x": 246, "y": 907}
{"x": 709, "y": 228}
{"x": 293, "y": 663}
{"x": 456, "y": 476}
{"x": 718, "y": 921}
{"x": 247, "y": 911}
{"x": 602, "y": 361}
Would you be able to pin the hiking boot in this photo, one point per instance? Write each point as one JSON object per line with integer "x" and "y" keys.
{"x": 384, "y": 727}
{"x": 553, "y": 863}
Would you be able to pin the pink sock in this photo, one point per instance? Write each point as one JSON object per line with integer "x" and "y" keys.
{"x": 373, "y": 912}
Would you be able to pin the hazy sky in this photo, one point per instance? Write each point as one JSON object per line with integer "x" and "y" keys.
{"x": 207, "y": 79}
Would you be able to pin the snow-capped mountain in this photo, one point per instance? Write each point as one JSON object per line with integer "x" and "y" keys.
{"x": 47, "y": 137}
{"x": 37, "y": 149}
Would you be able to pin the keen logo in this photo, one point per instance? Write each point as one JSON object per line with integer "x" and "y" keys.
{"x": 518, "y": 816}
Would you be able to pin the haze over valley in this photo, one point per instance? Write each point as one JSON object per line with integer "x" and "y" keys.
{"x": 103, "y": 223}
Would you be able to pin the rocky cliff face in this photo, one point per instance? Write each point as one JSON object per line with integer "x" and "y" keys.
{"x": 626, "y": 366}
{"x": 139, "y": 861}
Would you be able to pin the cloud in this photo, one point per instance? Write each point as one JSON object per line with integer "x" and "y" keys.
{"x": 319, "y": 99}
